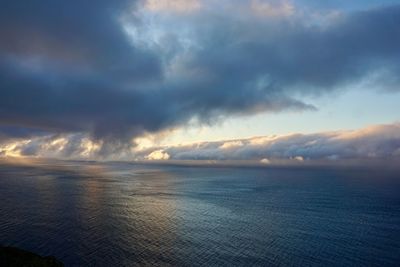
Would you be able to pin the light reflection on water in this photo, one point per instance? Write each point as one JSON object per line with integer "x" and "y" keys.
{"x": 120, "y": 214}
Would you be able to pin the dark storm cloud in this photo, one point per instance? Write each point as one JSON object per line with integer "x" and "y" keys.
{"x": 69, "y": 67}
{"x": 290, "y": 54}
{"x": 81, "y": 33}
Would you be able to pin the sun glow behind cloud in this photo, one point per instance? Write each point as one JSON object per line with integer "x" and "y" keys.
{"x": 12, "y": 149}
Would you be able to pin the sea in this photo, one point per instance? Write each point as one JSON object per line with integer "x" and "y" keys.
{"x": 134, "y": 214}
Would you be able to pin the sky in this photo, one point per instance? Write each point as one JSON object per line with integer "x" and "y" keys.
{"x": 260, "y": 80}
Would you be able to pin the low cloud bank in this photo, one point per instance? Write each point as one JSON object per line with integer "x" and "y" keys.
{"x": 374, "y": 142}
{"x": 380, "y": 141}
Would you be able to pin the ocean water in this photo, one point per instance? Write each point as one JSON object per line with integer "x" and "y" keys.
{"x": 121, "y": 214}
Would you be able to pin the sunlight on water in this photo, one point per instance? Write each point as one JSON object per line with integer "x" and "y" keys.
{"x": 121, "y": 214}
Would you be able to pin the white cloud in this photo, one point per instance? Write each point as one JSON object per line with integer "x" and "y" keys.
{"x": 299, "y": 158}
{"x": 265, "y": 161}
{"x": 231, "y": 144}
{"x": 158, "y": 155}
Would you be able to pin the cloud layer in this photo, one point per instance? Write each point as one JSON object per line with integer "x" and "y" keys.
{"x": 109, "y": 71}
{"x": 381, "y": 141}
{"x": 375, "y": 142}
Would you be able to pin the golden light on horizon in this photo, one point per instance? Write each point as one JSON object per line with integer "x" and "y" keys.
{"x": 13, "y": 149}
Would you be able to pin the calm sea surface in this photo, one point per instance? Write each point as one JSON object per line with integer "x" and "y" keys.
{"x": 119, "y": 214}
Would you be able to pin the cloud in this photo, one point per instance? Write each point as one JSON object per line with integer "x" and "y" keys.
{"x": 299, "y": 158}
{"x": 71, "y": 68}
{"x": 271, "y": 9}
{"x": 265, "y": 161}
{"x": 231, "y": 144}
{"x": 174, "y": 6}
{"x": 374, "y": 142}
{"x": 380, "y": 141}
{"x": 158, "y": 155}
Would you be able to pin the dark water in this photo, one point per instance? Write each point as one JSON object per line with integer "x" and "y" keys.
{"x": 93, "y": 214}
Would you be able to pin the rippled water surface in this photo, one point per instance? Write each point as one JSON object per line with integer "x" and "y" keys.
{"x": 120, "y": 214}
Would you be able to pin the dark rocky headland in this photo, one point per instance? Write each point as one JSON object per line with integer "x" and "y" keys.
{"x": 15, "y": 257}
